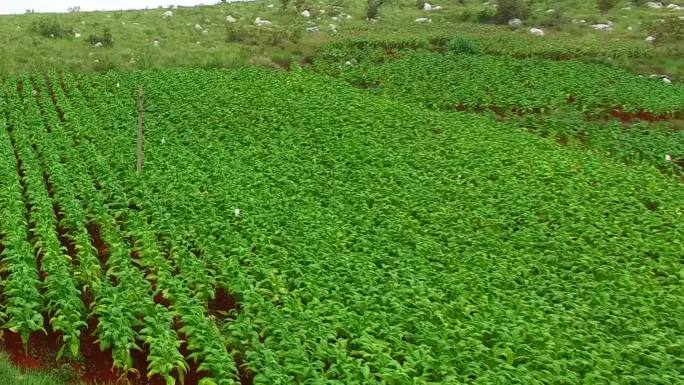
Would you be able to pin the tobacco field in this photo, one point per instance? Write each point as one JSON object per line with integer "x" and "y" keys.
{"x": 288, "y": 228}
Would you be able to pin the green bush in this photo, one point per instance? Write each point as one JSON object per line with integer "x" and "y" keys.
{"x": 51, "y": 28}
{"x": 463, "y": 46}
{"x": 605, "y": 5}
{"x": 106, "y": 39}
{"x": 511, "y": 9}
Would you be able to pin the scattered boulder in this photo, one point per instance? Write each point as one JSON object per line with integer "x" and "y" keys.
{"x": 335, "y": 18}
{"x": 630, "y": 28}
{"x": 650, "y": 39}
{"x": 98, "y": 44}
{"x": 167, "y": 14}
{"x": 674, "y": 7}
{"x": 515, "y": 23}
{"x": 333, "y": 27}
{"x": 312, "y": 29}
{"x": 550, "y": 10}
{"x": 667, "y": 81}
{"x": 205, "y": 32}
{"x": 198, "y": 28}
{"x": 262, "y": 22}
{"x": 602, "y": 27}
{"x": 156, "y": 43}
{"x": 77, "y": 35}
{"x": 427, "y": 7}
{"x": 423, "y": 20}
{"x": 537, "y": 31}
{"x": 230, "y": 19}
{"x": 306, "y": 13}
{"x": 654, "y": 5}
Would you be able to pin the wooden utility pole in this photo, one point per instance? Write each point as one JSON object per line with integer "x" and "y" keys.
{"x": 139, "y": 143}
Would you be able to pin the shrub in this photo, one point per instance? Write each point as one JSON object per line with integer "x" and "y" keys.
{"x": 106, "y": 39}
{"x": 510, "y": 9}
{"x": 372, "y": 9}
{"x": 672, "y": 29}
{"x": 605, "y": 5}
{"x": 463, "y": 46}
{"x": 50, "y": 28}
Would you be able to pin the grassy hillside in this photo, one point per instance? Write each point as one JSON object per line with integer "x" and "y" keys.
{"x": 225, "y": 44}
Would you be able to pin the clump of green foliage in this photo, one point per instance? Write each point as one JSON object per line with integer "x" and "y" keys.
{"x": 605, "y": 5}
{"x": 106, "y": 38}
{"x": 51, "y": 28}
{"x": 462, "y": 45}
{"x": 510, "y": 9}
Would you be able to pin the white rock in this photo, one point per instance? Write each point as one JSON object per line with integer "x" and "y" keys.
{"x": 515, "y": 23}
{"x": 650, "y": 39}
{"x": 654, "y": 5}
{"x": 237, "y": 212}
{"x": 312, "y": 29}
{"x": 582, "y": 21}
{"x": 427, "y": 7}
{"x": 630, "y": 28}
{"x": 96, "y": 61}
{"x": 205, "y": 32}
{"x": 132, "y": 61}
{"x": 437, "y": 8}
{"x": 270, "y": 6}
{"x": 262, "y": 22}
{"x": 306, "y": 13}
{"x": 423, "y": 20}
{"x": 198, "y": 28}
{"x": 52, "y": 35}
{"x": 230, "y": 19}
{"x": 83, "y": 22}
{"x": 156, "y": 43}
{"x": 77, "y": 35}
{"x": 98, "y": 44}
{"x": 348, "y": 63}
{"x": 335, "y": 18}
{"x": 667, "y": 81}
{"x": 681, "y": 17}
{"x": 668, "y": 158}
{"x": 550, "y": 10}
{"x": 167, "y": 14}
{"x": 627, "y": 8}
{"x": 347, "y": 16}
{"x": 602, "y": 27}
{"x": 163, "y": 141}
{"x": 537, "y": 31}
{"x": 333, "y": 27}
{"x": 321, "y": 11}
{"x": 674, "y": 7}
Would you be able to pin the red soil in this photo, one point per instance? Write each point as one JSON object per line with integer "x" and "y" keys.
{"x": 222, "y": 303}
{"x": 627, "y": 117}
{"x": 99, "y": 244}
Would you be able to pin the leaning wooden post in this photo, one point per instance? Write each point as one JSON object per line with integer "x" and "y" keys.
{"x": 139, "y": 144}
